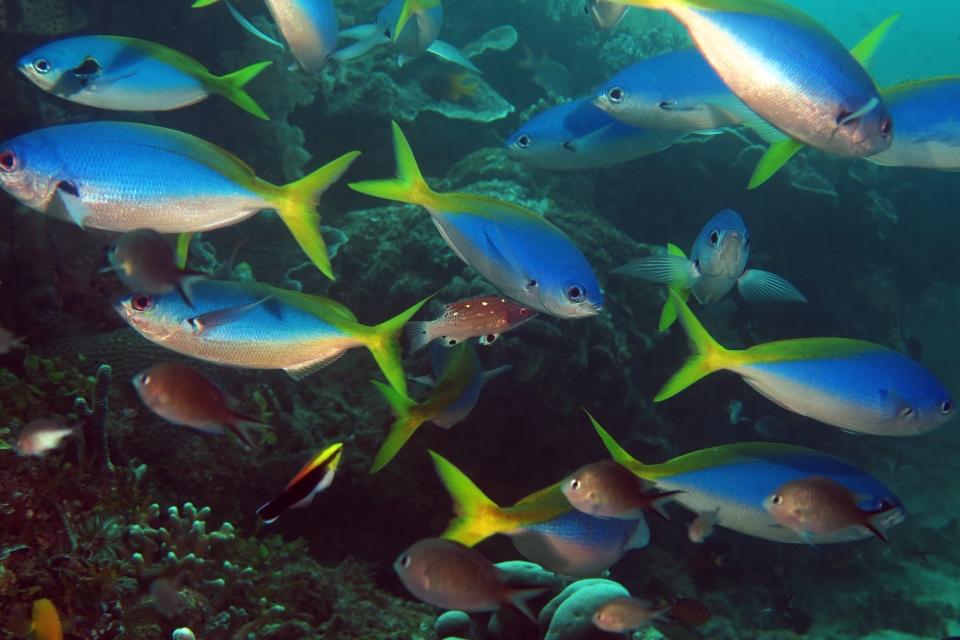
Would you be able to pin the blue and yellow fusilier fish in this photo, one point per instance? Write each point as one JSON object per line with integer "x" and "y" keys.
{"x": 789, "y": 70}
{"x": 544, "y": 527}
{"x": 125, "y": 74}
{"x": 410, "y": 28}
{"x": 717, "y": 261}
{"x": 456, "y": 383}
{"x": 927, "y": 113}
{"x": 120, "y": 176}
{"x": 308, "y": 26}
{"x": 578, "y": 135}
{"x": 854, "y": 385}
{"x": 517, "y": 251}
{"x": 255, "y": 326}
{"x": 738, "y": 478}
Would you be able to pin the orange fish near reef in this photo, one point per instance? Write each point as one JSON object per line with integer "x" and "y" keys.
{"x": 45, "y": 624}
{"x": 623, "y": 614}
{"x": 41, "y": 436}
{"x": 817, "y": 506}
{"x": 485, "y": 317}
{"x": 449, "y": 86}
{"x": 609, "y": 490}
{"x": 183, "y": 396}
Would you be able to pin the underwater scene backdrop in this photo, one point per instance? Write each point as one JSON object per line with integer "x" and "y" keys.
{"x": 116, "y": 520}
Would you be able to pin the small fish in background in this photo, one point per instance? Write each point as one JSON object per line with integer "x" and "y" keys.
{"x": 770, "y": 427}
{"x": 41, "y": 17}
{"x": 609, "y": 490}
{"x": 702, "y": 561}
{"x": 854, "y": 385}
{"x": 126, "y": 74}
{"x": 41, "y": 436}
{"x": 183, "y": 396}
{"x": 145, "y": 261}
{"x": 314, "y": 477}
{"x": 485, "y": 317}
{"x": 605, "y": 14}
{"x": 456, "y": 383}
{"x": 451, "y": 576}
{"x": 45, "y": 623}
{"x": 907, "y": 344}
{"x": 8, "y": 343}
{"x": 735, "y": 411}
{"x": 819, "y": 506}
{"x": 448, "y": 86}
{"x": 166, "y": 597}
{"x": 906, "y": 551}
{"x": 781, "y": 607}
{"x": 689, "y": 612}
{"x": 577, "y": 135}
{"x": 624, "y": 614}
{"x": 702, "y": 526}
{"x": 549, "y": 74}
{"x": 717, "y": 261}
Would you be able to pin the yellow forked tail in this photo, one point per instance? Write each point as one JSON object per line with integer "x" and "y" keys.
{"x": 298, "y": 208}
{"x": 231, "y": 85}
{"x": 409, "y": 185}
{"x": 408, "y": 419}
{"x": 708, "y": 356}
{"x": 382, "y": 342}
{"x": 473, "y": 521}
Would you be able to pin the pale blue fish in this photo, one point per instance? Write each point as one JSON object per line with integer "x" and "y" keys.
{"x": 308, "y": 26}
{"x": 789, "y": 70}
{"x": 605, "y": 14}
{"x": 125, "y": 74}
{"x": 514, "y": 249}
{"x": 738, "y": 478}
{"x": 851, "y": 384}
{"x": 255, "y": 326}
{"x": 121, "y": 176}
{"x": 578, "y": 135}
{"x": 717, "y": 261}
{"x": 410, "y": 28}
{"x": 927, "y": 113}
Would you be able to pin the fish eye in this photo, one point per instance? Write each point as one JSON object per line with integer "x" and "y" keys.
{"x": 746, "y": 241}
{"x": 42, "y": 65}
{"x": 886, "y": 127}
{"x": 524, "y": 312}
{"x": 615, "y": 95}
{"x": 575, "y": 484}
{"x": 141, "y": 302}
{"x": 144, "y": 379}
{"x": 946, "y": 407}
{"x": 404, "y": 561}
{"x": 777, "y": 499}
{"x": 714, "y": 238}
{"x": 524, "y": 141}
{"x": 8, "y": 161}
{"x": 576, "y": 292}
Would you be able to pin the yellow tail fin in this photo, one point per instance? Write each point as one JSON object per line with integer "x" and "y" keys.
{"x": 472, "y": 522}
{"x": 707, "y": 356}
{"x": 669, "y": 314}
{"x": 298, "y": 208}
{"x": 616, "y": 451}
{"x": 386, "y": 350}
{"x": 410, "y": 7}
{"x": 231, "y": 85}
{"x": 409, "y": 185}
{"x": 202, "y": 3}
{"x": 408, "y": 419}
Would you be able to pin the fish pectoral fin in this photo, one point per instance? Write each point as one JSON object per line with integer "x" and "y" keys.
{"x": 99, "y": 80}
{"x": 368, "y": 36}
{"x": 668, "y": 105}
{"x": 451, "y": 53}
{"x": 675, "y": 271}
{"x": 809, "y": 538}
{"x": 762, "y": 286}
{"x": 427, "y": 380}
{"x": 66, "y": 203}
{"x": 220, "y": 317}
{"x": 588, "y": 140}
{"x": 487, "y": 376}
{"x": 302, "y": 370}
{"x": 498, "y": 247}
{"x": 249, "y": 27}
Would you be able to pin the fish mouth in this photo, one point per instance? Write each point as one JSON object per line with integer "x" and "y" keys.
{"x": 601, "y": 102}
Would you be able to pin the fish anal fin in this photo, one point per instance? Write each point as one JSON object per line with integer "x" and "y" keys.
{"x": 762, "y": 286}
{"x": 775, "y": 157}
{"x": 220, "y": 317}
{"x": 302, "y": 370}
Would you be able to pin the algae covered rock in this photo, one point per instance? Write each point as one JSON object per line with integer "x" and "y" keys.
{"x": 569, "y": 616}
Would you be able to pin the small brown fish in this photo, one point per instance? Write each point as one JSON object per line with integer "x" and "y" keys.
{"x": 8, "y": 343}
{"x": 452, "y": 576}
{"x": 701, "y": 561}
{"x": 820, "y": 506}
{"x": 183, "y": 396}
{"x": 41, "y": 436}
{"x": 609, "y": 490}
{"x": 702, "y": 526}
{"x": 147, "y": 263}
{"x": 449, "y": 86}
{"x": 689, "y": 612}
{"x": 486, "y": 317}
{"x": 549, "y": 74}
{"x": 623, "y": 614}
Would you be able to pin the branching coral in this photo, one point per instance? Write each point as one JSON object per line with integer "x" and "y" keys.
{"x": 94, "y": 453}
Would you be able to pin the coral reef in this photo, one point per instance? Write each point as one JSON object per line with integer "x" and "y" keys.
{"x": 94, "y": 452}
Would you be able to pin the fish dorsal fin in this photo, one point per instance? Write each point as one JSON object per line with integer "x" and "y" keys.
{"x": 302, "y": 370}
{"x": 162, "y": 54}
{"x": 864, "y": 50}
{"x": 332, "y": 306}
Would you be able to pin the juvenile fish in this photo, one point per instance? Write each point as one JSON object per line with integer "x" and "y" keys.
{"x": 145, "y": 261}
{"x": 42, "y": 436}
{"x": 451, "y": 576}
{"x": 314, "y": 477}
{"x": 126, "y": 74}
{"x": 485, "y": 317}
{"x": 516, "y": 250}
{"x": 578, "y": 135}
{"x": 821, "y": 506}
{"x": 854, "y": 385}
{"x": 623, "y": 614}
{"x": 609, "y": 490}
{"x": 183, "y": 396}
{"x": 457, "y": 381}
{"x": 702, "y": 526}
{"x": 121, "y": 176}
